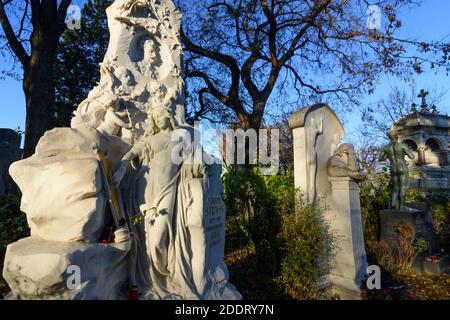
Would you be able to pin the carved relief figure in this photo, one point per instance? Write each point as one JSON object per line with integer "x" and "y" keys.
{"x": 112, "y": 122}
{"x": 105, "y": 86}
{"x": 175, "y": 249}
{"x": 343, "y": 163}
{"x": 314, "y": 130}
{"x": 160, "y": 195}
{"x": 149, "y": 58}
{"x": 125, "y": 78}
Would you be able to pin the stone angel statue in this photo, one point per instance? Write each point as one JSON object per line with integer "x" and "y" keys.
{"x": 160, "y": 195}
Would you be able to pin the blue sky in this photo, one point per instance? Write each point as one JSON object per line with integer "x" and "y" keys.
{"x": 430, "y": 21}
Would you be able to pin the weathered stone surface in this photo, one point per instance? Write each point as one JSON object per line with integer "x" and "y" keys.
{"x": 350, "y": 266}
{"x": 343, "y": 163}
{"x": 61, "y": 186}
{"x": 39, "y": 269}
{"x": 317, "y": 133}
{"x": 208, "y": 239}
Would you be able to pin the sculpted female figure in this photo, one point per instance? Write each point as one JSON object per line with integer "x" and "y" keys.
{"x": 158, "y": 197}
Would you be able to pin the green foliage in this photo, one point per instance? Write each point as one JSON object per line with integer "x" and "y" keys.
{"x": 303, "y": 236}
{"x": 253, "y": 208}
{"x": 415, "y": 195}
{"x": 13, "y": 223}
{"x": 13, "y": 226}
{"x": 374, "y": 198}
{"x": 439, "y": 202}
{"x": 420, "y": 245}
{"x": 399, "y": 254}
{"x": 268, "y": 217}
{"x": 77, "y": 62}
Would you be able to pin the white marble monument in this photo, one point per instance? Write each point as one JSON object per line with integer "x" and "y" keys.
{"x": 325, "y": 171}
{"x": 112, "y": 214}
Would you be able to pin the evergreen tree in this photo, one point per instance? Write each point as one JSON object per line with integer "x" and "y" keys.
{"x": 77, "y": 64}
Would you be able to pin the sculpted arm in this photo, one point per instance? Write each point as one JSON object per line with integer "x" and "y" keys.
{"x": 119, "y": 121}
{"x": 130, "y": 155}
{"x": 408, "y": 152}
{"x": 124, "y": 164}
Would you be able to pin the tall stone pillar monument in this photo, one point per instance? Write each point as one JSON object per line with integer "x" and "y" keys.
{"x": 350, "y": 266}
{"x": 326, "y": 173}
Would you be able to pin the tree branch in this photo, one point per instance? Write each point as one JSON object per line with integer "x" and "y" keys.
{"x": 61, "y": 14}
{"x": 309, "y": 22}
{"x": 22, "y": 21}
{"x": 13, "y": 41}
{"x": 227, "y": 60}
{"x": 247, "y": 78}
{"x": 272, "y": 31}
{"x": 310, "y": 86}
{"x": 213, "y": 90}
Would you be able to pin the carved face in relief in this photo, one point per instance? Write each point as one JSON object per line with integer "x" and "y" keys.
{"x": 157, "y": 93}
{"x": 161, "y": 120}
{"x": 149, "y": 52}
{"x": 124, "y": 76}
{"x": 342, "y": 153}
{"x": 110, "y": 101}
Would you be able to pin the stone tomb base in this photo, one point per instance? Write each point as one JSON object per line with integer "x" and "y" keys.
{"x": 41, "y": 269}
{"x": 420, "y": 220}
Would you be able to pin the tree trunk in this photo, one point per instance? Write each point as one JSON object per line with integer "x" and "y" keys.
{"x": 39, "y": 88}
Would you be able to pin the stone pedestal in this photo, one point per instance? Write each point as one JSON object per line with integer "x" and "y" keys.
{"x": 344, "y": 213}
{"x": 39, "y": 269}
{"x": 420, "y": 220}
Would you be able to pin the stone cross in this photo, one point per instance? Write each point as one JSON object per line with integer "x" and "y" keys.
{"x": 423, "y": 95}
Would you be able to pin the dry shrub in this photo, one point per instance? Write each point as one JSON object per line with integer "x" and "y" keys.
{"x": 383, "y": 253}
{"x": 404, "y": 249}
{"x": 399, "y": 254}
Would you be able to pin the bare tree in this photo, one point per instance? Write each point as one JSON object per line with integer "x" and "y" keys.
{"x": 238, "y": 53}
{"x": 32, "y": 29}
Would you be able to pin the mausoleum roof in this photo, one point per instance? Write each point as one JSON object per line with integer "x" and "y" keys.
{"x": 423, "y": 119}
